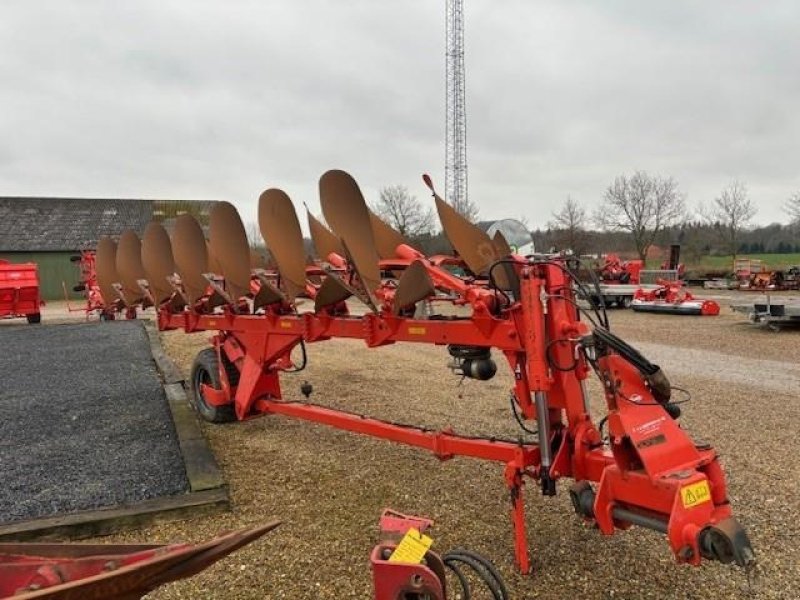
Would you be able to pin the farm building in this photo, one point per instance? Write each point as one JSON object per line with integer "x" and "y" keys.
{"x": 48, "y": 231}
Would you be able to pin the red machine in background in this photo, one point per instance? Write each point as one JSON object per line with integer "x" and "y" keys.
{"x": 19, "y": 291}
{"x": 89, "y": 285}
{"x": 647, "y": 471}
{"x": 615, "y": 270}
{"x": 671, "y": 297}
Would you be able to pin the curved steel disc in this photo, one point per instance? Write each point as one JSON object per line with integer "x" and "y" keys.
{"x": 387, "y": 239}
{"x": 332, "y": 291}
{"x": 157, "y": 261}
{"x": 346, "y": 212}
{"x": 129, "y": 266}
{"x": 229, "y": 246}
{"x": 415, "y": 284}
{"x": 281, "y": 232}
{"x": 505, "y": 276}
{"x": 325, "y": 242}
{"x": 106, "y": 265}
{"x": 470, "y": 241}
{"x": 501, "y": 245}
{"x": 214, "y": 266}
{"x": 191, "y": 256}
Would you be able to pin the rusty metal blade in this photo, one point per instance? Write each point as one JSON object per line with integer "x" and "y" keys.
{"x": 229, "y": 246}
{"x": 267, "y": 293}
{"x": 346, "y": 212}
{"x": 387, "y": 239}
{"x": 157, "y": 261}
{"x": 505, "y": 275}
{"x": 281, "y": 232}
{"x": 129, "y": 266}
{"x": 136, "y": 579}
{"x": 501, "y": 245}
{"x": 325, "y": 242}
{"x": 472, "y": 243}
{"x": 415, "y": 284}
{"x": 332, "y": 291}
{"x": 214, "y": 266}
{"x": 191, "y": 256}
{"x": 106, "y": 265}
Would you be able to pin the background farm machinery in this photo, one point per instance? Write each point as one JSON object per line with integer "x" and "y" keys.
{"x": 671, "y": 297}
{"x": 101, "y": 295}
{"x": 648, "y": 472}
{"x": 19, "y": 291}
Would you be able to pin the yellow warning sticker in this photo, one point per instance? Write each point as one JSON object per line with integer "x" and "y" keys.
{"x": 286, "y": 324}
{"x": 416, "y": 331}
{"x": 695, "y": 494}
{"x": 412, "y": 548}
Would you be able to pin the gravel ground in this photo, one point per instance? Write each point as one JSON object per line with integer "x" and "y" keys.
{"x": 86, "y": 423}
{"x": 330, "y": 486}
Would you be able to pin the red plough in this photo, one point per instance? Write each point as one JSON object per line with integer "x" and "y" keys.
{"x": 648, "y": 471}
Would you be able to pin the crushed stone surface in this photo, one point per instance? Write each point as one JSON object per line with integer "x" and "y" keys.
{"x": 85, "y": 421}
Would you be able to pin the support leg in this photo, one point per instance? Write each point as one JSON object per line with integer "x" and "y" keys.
{"x": 514, "y": 482}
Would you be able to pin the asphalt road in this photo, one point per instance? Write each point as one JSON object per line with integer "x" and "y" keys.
{"x": 84, "y": 422}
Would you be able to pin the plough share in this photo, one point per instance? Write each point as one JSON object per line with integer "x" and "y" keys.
{"x": 648, "y": 472}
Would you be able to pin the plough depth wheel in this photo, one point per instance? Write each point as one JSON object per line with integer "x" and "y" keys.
{"x": 205, "y": 372}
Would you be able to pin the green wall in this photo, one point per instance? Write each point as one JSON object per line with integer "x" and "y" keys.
{"x": 54, "y": 267}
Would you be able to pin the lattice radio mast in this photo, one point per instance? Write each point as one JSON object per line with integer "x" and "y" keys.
{"x": 456, "y": 122}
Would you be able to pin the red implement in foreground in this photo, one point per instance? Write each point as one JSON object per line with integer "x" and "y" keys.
{"x": 102, "y": 571}
{"x": 19, "y": 291}
{"x": 421, "y": 574}
{"x": 648, "y": 471}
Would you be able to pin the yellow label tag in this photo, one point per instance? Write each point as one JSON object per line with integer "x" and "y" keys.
{"x": 695, "y": 494}
{"x": 286, "y": 325}
{"x": 416, "y": 331}
{"x": 412, "y": 548}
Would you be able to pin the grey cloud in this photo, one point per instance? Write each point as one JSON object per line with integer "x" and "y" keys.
{"x": 223, "y": 99}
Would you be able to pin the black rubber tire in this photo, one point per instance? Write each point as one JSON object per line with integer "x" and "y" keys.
{"x": 625, "y": 302}
{"x": 34, "y": 318}
{"x": 206, "y": 370}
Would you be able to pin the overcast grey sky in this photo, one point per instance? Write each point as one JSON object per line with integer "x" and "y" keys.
{"x": 201, "y": 99}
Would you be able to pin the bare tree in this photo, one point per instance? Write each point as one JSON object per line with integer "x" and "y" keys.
{"x": 569, "y": 227}
{"x": 792, "y": 207}
{"x": 254, "y": 239}
{"x": 730, "y": 214}
{"x": 641, "y": 205}
{"x": 403, "y": 211}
